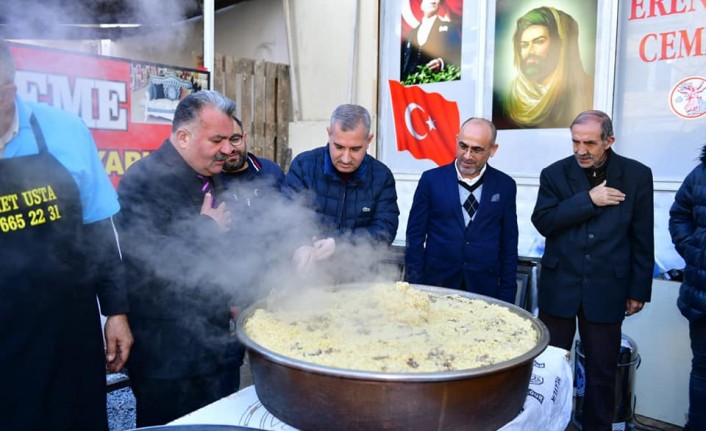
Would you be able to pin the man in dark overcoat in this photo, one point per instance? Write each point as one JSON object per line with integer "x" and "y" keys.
{"x": 595, "y": 211}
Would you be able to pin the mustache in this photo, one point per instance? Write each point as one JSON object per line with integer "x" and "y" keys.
{"x": 220, "y": 157}
{"x": 535, "y": 57}
{"x": 241, "y": 154}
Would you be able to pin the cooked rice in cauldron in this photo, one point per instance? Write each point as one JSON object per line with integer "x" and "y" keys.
{"x": 391, "y": 328}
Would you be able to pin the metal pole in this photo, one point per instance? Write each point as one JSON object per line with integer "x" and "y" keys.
{"x": 354, "y": 54}
{"x": 209, "y": 38}
{"x": 291, "y": 43}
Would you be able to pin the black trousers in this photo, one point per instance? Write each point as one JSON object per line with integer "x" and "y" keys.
{"x": 601, "y": 348}
{"x": 159, "y": 401}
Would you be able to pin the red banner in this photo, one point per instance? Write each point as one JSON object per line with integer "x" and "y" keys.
{"x": 426, "y": 124}
{"x": 111, "y": 95}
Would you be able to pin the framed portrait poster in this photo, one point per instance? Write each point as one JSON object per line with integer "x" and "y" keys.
{"x": 544, "y": 63}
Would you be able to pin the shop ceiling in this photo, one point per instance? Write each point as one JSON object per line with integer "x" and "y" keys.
{"x": 96, "y": 19}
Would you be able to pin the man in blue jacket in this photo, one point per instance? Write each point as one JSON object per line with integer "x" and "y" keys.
{"x": 687, "y": 225}
{"x": 595, "y": 210}
{"x": 352, "y": 193}
{"x": 462, "y": 228}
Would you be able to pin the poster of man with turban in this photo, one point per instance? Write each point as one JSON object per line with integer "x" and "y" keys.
{"x": 552, "y": 70}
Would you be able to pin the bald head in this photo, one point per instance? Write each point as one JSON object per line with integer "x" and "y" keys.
{"x": 476, "y": 144}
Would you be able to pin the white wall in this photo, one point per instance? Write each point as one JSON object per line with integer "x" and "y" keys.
{"x": 662, "y": 338}
{"x": 254, "y": 30}
{"x": 328, "y": 72}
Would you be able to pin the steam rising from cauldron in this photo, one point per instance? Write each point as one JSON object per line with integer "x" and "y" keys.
{"x": 259, "y": 249}
{"x": 268, "y": 233}
{"x": 255, "y": 256}
{"x": 58, "y": 19}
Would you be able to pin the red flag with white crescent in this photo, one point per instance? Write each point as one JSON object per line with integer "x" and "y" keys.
{"x": 426, "y": 124}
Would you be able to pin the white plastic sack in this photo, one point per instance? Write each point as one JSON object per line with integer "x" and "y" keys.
{"x": 550, "y": 395}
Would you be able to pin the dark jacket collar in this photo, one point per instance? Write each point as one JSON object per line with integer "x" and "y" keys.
{"x": 614, "y": 172}
{"x": 174, "y": 161}
{"x": 254, "y": 164}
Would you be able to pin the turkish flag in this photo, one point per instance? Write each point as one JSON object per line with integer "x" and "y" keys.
{"x": 426, "y": 124}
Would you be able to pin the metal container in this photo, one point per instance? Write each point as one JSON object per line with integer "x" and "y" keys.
{"x": 628, "y": 362}
{"x": 314, "y": 397}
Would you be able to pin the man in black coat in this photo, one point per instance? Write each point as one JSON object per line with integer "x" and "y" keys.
{"x": 173, "y": 225}
{"x": 595, "y": 210}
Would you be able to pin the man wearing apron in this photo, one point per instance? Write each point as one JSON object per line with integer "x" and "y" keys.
{"x": 57, "y": 252}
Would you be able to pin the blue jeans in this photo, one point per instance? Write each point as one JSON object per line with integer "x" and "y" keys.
{"x": 697, "y": 380}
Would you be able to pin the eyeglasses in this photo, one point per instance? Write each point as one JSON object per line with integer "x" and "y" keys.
{"x": 236, "y": 141}
{"x": 474, "y": 150}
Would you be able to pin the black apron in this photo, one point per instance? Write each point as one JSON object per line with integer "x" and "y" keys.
{"x": 52, "y": 365}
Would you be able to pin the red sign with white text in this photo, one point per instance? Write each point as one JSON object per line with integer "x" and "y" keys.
{"x": 116, "y": 98}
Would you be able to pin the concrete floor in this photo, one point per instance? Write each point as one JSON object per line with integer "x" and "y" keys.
{"x": 643, "y": 423}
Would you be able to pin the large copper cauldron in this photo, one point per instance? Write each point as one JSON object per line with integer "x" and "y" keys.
{"x": 315, "y": 397}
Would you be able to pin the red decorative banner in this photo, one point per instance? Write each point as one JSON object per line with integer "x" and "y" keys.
{"x": 116, "y": 98}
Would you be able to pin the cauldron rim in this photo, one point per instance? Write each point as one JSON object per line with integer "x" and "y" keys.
{"x": 194, "y": 427}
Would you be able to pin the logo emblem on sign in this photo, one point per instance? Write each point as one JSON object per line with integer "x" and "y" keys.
{"x": 688, "y": 98}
